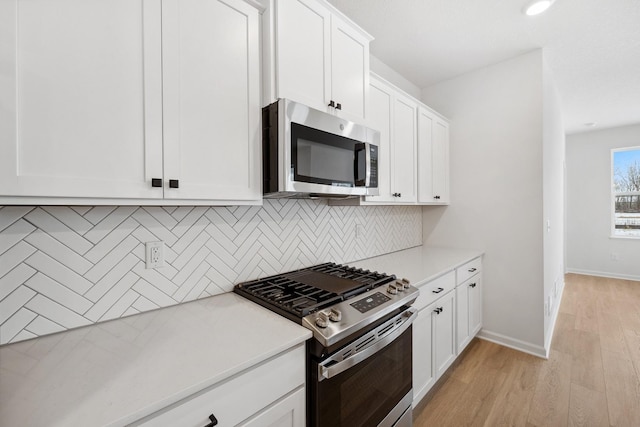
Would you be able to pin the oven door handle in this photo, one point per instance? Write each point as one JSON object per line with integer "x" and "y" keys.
{"x": 326, "y": 372}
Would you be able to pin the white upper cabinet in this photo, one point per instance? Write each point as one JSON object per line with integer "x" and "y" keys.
{"x": 433, "y": 158}
{"x": 80, "y": 94}
{"x": 381, "y": 119}
{"x": 349, "y": 69}
{"x": 99, "y": 97}
{"x": 403, "y": 147}
{"x": 211, "y": 99}
{"x": 316, "y": 57}
{"x": 394, "y": 115}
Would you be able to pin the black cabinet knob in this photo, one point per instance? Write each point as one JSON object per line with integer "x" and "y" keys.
{"x": 174, "y": 183}
{"x": 156, "y": 182}
{"x": 436, "y": 197}
{"x": 338, "y": 106}
{"x": 214, "y": 421}
{"x": 331, "y": 103}
{"x": 473, "y": 285}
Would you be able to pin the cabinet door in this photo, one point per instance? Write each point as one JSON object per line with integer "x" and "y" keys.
{"x": 288, "y": 412}
{"x": 380, "y": 118}
{"x": 211, "y": 99}
{"x": 349, "y": 70}
{"x": 462, "y": 317}
{"x": 440, "y": 163}
{"x": 423, "y": 367}
{"x": 475, "y": 305}
{"x": 444, "y": 344}
{"x": 433, "y": 158}
{"x": 303, "y": 49}
{"x": 81, "y": 98}
{"x": 403, "y": 148}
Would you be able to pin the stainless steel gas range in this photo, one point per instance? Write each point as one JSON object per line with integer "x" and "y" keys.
{"x": 359, "y": 359}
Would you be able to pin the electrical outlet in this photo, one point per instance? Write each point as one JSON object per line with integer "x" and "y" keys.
{"x": 546, "y": 308}
{"x": 154, "y": 254}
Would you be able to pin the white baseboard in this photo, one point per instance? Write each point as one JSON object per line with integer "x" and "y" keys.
{"x": 513, "y": 343}
{"x": 603, "y": 274}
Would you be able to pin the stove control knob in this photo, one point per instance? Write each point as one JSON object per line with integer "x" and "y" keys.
{"x": 392, "y": 289}
{"x": 335, "y": 315}
{"x": 399, "y": 286}
{"x": 405, "y": 283}
{"x": 321, "y": 320}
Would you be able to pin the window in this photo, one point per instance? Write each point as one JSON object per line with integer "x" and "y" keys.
{"x": 626, "y": 192}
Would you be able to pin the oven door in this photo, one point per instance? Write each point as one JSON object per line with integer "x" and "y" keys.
{"x": 368, "y": 382}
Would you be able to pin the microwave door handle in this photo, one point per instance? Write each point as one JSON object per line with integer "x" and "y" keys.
{"x": 359, "y": 147}
{"x": 325, "y": 372}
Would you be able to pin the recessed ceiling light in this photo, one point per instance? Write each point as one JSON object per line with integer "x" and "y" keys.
{"x": 536, "y": 7}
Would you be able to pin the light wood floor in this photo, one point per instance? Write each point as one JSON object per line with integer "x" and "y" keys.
{"x": 592, "y": 377}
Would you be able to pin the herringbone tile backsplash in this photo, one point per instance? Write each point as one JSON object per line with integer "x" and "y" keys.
{"x": 65, "y": 267}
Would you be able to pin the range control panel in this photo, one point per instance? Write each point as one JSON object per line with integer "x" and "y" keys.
{"x": 370, "y": 302}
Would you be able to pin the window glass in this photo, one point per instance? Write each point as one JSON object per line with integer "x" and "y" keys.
{"x": 626, "y": 192}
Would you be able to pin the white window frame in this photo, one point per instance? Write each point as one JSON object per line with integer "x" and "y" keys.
{"x": 614, "y": 194}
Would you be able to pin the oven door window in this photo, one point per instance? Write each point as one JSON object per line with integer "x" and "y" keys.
{"x": 323, "y": 158}
{"x": 364, "y": 394}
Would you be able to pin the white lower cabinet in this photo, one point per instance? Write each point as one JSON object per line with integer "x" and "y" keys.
{"x": 288, "y": 412}
{"x": 270, "y": 394}
{"x": 469, "y": 302}
{"x": 450, "y": 315}
{"x": 433, "y": 333}
{"x": 424, "y": 375}
{"x": 444, "y": 332}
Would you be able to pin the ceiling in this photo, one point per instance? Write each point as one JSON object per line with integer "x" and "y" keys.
{"x": 591, "y": 46}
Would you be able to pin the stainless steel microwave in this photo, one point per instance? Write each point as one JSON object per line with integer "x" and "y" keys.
{"x": 310, "y": 153}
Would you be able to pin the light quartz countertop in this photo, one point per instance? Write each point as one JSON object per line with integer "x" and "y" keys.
{"x": 113, "y": 373}
{"x": 420, "y": 264}
{"x": 116, "y": 372}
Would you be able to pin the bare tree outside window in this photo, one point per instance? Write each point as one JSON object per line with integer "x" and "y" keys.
{"x": 626, "y": 187}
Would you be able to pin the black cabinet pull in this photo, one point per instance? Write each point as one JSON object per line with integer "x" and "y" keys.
{"x": 156, "y": 182}
{"x": 437, "y": 291}
{"x": 214, "y": 421}
{"x": 338, "y": 106}
{"x": 174, "y": 183}
{"x": 473, "y": 285}
{"x": 438, "y": 310}
{"x": 472, "y": 270}
{"x": 436, "y": 197}
{"x": 331, "y": 104}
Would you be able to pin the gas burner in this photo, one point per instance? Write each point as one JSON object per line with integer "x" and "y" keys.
{"x": 302, "y": 292}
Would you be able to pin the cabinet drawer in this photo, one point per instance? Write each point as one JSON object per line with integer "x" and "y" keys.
{"x": 434, "y": 289}
{"x": 468, "y": 270}
{"x": 238, "y": 398}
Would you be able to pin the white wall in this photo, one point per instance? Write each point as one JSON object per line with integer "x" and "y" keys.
{"x": 497, "y": 191}
{"x": 589, "y": 245}
{"x": 393, "y": 77}
{"x": 553, "y": 178}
